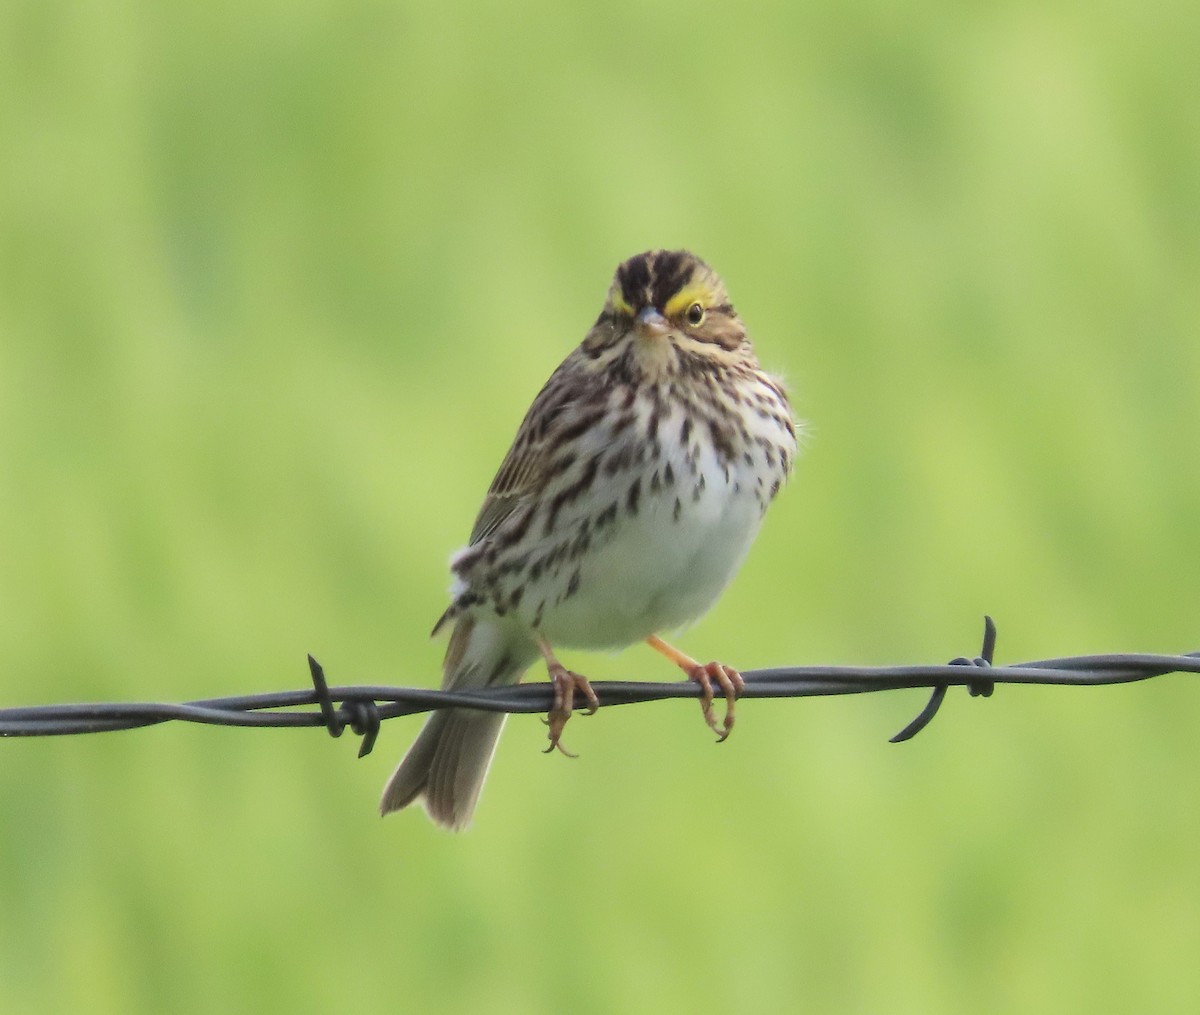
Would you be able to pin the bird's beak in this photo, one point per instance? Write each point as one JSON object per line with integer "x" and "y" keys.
{"x": 649, "y": 323}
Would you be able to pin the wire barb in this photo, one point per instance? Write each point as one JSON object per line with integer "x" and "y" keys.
{"x": 361, "y": 715}
{"x": 333, "y": 722}
{"x": 363, "y": 709}
{"x": 978, "y": 688}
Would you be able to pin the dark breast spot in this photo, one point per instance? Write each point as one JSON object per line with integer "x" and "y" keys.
{"x": 572, "y": 492}
{"x": 652, "y": 422}
{"x": 579, "y": 427}
{"x": 722, "y": 439}
{"x": 634, "y": 495}
{"x": 623, "y": 423}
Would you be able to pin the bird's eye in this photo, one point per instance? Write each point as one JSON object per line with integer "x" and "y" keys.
{"x": 695, "y": 314}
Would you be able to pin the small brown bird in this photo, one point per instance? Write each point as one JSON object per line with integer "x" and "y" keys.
{"x": 629, "y": 498}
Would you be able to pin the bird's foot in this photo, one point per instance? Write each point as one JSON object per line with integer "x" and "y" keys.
{"x": 731, "y": 684}
{"x": 566, "y": 684}
{"x": 726, "y": 677}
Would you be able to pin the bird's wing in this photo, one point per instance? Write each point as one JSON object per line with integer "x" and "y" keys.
{"x": 559, "y": 408}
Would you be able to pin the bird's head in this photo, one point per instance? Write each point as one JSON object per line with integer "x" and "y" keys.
{"x": 665, "y": 307}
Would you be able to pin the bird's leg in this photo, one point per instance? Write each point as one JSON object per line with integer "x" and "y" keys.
{"x": 566, "y": 684}
{"x": 727, "y": 678}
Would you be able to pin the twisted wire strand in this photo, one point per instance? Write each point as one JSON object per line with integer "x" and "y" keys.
{"x": 363, "y": 708}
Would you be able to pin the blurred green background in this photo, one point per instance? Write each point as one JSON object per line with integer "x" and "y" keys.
{"x": 277, "y": 282}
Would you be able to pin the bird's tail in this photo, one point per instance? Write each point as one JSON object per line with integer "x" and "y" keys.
{"x": 447, "y": 763}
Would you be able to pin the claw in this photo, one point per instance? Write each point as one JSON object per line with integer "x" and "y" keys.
{"x": 566, "y": 684}
{"x": 730, "y": 682}
{"x": 727, "y": 678}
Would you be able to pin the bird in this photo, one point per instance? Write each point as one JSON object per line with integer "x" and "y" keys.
{"x": 633, "y": 489}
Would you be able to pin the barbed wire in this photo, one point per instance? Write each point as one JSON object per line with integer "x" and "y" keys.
{"x": 359, "y": 708}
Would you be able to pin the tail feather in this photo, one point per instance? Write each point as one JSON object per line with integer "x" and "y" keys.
{"x": 446, "y": 765}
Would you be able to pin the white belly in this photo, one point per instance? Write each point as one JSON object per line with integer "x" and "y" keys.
{"x": 663, "y": 567}
{"x": 655, "y": 575}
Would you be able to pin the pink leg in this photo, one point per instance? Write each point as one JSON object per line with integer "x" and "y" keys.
{"x": 726, "y": 677}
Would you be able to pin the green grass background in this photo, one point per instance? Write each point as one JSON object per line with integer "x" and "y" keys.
{"x": 277, "y": 282}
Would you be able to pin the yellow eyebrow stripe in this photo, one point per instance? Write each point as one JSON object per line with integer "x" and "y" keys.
{"x": 686, "y": 296}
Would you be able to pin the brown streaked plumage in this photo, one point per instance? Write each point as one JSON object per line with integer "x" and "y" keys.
{"x": 631, "y": 493}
